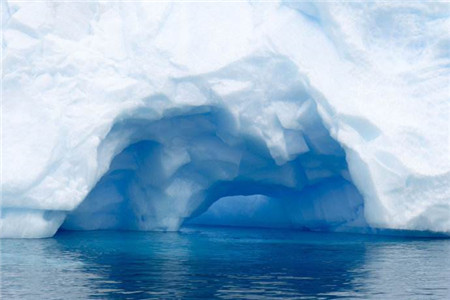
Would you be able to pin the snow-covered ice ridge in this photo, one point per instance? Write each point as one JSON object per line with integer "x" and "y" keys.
{"x": 141, "y": 115}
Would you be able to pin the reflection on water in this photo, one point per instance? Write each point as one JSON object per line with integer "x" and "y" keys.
{"x": 224, "y": 263}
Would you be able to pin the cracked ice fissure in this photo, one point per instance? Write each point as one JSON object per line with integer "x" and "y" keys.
{"x": 173, "y": 169}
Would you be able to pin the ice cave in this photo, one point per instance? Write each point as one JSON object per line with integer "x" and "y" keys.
{"x": 169, "y": 170}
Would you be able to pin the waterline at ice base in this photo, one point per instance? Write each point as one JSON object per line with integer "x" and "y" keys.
{"x": 151, "y": 116}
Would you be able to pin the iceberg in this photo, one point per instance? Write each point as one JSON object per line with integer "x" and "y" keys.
{"x": 146, "y": 115}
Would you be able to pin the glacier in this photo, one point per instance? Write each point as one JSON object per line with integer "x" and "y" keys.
{"x": 152, "y": 115}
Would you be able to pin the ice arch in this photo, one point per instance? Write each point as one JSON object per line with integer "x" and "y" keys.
{"x": 167, "y": 171}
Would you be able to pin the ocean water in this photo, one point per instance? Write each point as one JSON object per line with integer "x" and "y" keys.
{"x": 227, "y": 263}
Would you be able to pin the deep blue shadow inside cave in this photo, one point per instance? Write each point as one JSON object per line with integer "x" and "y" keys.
{"x": 197, "y": 168}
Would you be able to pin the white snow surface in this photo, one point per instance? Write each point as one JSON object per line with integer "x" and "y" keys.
{"x": 140, "y": 115}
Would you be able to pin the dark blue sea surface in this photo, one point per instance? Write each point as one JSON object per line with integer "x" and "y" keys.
{"x": 228, "y": 263}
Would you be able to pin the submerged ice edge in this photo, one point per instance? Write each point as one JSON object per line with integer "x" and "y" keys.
{"x": 118, "y": 117}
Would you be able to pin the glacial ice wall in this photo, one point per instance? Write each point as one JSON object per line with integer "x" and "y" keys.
{"x": 142, "y": 115}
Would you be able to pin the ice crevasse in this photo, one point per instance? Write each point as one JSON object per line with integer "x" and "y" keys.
{"x": 146, "y": 115}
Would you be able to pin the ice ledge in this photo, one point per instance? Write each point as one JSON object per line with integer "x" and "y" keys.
{"x": 29, "y": 223}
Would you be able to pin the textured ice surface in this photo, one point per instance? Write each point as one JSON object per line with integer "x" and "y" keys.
{"x": 142, "y": 115}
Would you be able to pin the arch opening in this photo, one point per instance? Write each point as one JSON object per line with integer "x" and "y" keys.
{"x": 331, "y": 205}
